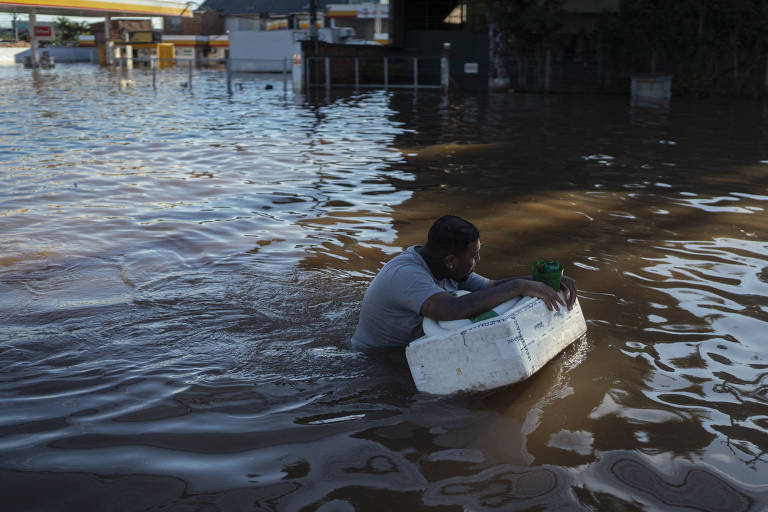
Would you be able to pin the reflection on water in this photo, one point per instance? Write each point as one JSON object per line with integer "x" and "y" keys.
{"x": 181, "y": 270}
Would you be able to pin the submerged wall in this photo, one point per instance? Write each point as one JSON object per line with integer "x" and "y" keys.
{"x": 59, "y": 53}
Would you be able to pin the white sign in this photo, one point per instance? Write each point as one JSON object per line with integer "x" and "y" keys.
{"x": 185, "y": 53}
{"x": 471, "y": 68}
{"x": 368, "y": 11}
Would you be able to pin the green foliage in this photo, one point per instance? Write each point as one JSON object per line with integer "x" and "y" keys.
{"x": 529, "y": 23}
{"x": 710, "y": 46}
{"x": 67, "y": 30}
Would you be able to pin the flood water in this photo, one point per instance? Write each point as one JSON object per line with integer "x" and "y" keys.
{"x": 181, "y": 271}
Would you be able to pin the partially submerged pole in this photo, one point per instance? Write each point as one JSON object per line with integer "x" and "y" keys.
{"x": 327, "y": 73}
{"x": 415, "y": 72}
{"x": 386, "y": 72}
{"x": 313, "y": 39}
{"x": 33, "y": 39}
{"x": 298, "y": 68}
{"x": 285, "y": 74}
{"x": 357, "y": 73}
{"x": 229, "y": 75}
{"x": 108, "y": 48}
{"x": 128, "y": 56}
{"x": 445, "y": 70}
{"x": 313, "y": 23}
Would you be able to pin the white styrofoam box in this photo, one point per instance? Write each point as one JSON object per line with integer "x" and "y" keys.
{"x": 460, "y": 356}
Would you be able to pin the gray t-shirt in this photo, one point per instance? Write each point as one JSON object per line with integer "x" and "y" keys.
{"x": 391, "y": 312}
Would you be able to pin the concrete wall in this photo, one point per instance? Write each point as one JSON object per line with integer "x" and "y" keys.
{"x": 8, "y": 55}
{"x": 59, "y": 53}
{"x": 263, "y": 51}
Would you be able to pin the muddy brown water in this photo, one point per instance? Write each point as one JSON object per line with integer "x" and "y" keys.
{"x": 181, "y": 271}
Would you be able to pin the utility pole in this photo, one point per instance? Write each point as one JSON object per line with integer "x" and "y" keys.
{"x": 313, "y": 35}
{"x": 313, "y": 23}
{"x": 15, "y": 28}
{"x": 33, "y": 39}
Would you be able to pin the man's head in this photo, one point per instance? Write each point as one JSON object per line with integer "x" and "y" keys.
{"x": 456, "y": 243}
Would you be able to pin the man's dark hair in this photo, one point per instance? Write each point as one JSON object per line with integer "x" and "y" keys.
{"x": 451, "y": 235}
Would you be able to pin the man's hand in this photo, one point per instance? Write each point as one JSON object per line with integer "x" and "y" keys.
{"x": 568, "y": 285}
{"x": 544, "y": 292}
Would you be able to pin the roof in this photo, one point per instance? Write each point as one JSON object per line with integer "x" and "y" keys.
{"x": 278, "y": 7}
{"x": 100, "y": 7}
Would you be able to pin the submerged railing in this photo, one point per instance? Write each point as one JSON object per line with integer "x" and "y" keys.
{"x": 243, "y": 66}
{"x": 373, "y": 72}
{"x": 388, "y": 72}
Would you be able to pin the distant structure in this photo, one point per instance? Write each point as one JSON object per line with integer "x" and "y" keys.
{"x": 263, "y": 34}
{"x": 368, "y": 21}
{"x": 121, "y": 29}
{"x": 106, "y": 8}
{"x": 204, "y": 22}
{"x": 266, "y": 15}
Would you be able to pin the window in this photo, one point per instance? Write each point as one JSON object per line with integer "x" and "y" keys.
{"x": 173, "y": 23}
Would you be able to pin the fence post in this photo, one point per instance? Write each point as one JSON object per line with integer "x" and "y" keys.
{"x": 297, "y": 73}
{"x": 190, "y": 74}
{"x": 229, "y": 75}
{"x": 357, "y": 73}
{"x": 327, "y": 73}
{"x": 415, "y": 72}
{"x": 445, "y": 70}
{"x": 386, "y": 73}
{"x": 153, "y": 63}
{"x": 285, "y": 75}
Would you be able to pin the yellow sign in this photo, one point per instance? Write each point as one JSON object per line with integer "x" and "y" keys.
{"x": 141, "y": 37}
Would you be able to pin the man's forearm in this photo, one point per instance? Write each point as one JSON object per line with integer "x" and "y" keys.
{"x": 478, "y": 302}
{"x": 500, "y": 281}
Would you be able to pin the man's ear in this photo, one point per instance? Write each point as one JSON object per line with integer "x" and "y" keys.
{"x": 450, "y": 261}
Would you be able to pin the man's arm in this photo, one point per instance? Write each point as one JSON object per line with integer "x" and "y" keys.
{"x": 567, "y": 285}
{"x": 444, "y": 306}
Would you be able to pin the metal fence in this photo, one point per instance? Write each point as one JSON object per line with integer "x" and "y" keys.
{"x": 157, "y": 65}
{"x": 356, "y": 72}
{"x": 373, "y": 72}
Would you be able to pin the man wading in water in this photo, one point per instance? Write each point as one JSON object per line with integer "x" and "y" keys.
{"x": 416, "y": 283}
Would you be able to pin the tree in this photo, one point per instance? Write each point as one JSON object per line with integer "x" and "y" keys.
{"x": 527, "y": 27}
{"x": 67, "y": 31}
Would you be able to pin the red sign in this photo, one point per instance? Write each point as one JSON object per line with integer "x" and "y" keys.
{"x": 43, "y": 31}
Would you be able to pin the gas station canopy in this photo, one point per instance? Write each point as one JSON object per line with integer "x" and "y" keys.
{"x": 99, "y": 8}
